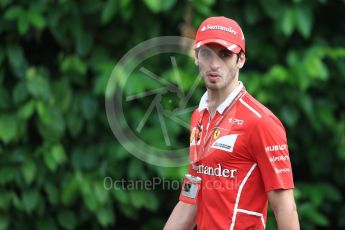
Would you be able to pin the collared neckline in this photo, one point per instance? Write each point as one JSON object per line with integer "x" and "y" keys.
{"x": 224, "y": 104}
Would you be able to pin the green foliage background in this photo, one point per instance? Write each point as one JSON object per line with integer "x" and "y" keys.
{"x": 56, "y": 147}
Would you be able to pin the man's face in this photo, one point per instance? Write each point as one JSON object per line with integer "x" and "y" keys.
{"x": 218, "y": 66}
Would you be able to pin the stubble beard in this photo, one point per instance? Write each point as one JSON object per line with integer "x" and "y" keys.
{"x": 220, "y": 86}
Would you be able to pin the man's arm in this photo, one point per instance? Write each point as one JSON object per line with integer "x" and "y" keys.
{"x": 183, "y": 217}
{"x": 284, "y": 208}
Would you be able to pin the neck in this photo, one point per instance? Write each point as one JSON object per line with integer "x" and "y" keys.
{"x": 217, "y": 97}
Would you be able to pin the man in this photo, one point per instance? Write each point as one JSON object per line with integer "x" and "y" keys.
{"x": 238, "y": 148}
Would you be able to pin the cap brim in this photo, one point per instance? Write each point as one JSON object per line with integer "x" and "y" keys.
{"x": 230, "y": 46}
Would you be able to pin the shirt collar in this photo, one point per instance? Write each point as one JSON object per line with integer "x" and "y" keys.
{"x": 225, "y": 103}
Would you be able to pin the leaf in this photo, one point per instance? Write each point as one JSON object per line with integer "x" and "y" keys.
{"x": 17, "y": 60}
{"x": 23, "y": 24}
{"x": 208, "y": 2}
{"x": 89, "y": 107}
{"x": 36, "y": 19}
{"x": 201, "y": 8}
{"x": 272, "y": 7}
{"x": 4, "y": 221}
{"x": 157, "y": 6}
{"x": 29, "y": 171}
{"x": 292, "y": 58}
{"x": 37, "y": 85}
{"x": 69, "y": 190}
{"x": 7, "y": 174}
{"x": 151, "y": 201}
{"x": 53, "y": 194}
{"x": 13, "y": 13}
{"x": 51, "y": 124}
{"x": 288, "y": 21}
{"x": 135, "y": 169}
{"x": 50, "y": 162}
{"x": 106, "y": 216}
{"x": 5, "y": 98}
{"x": 20, "y": 93}
{"x": 73, "y": 64}
{"x": 89, "y": 199}
{"x": 30, "y": 200}
{"x": 101, "y": 84}
{"x": 124, "y": 4}
{"x": 126, "y": 9}
{"x": 62, "y": 94}
{"x": 137, "y": 197}
{"x": 67, "y": 219}
{"x": 59, "y": 153}
{"x": 91, "y": 7}
{"x": 304, "y": 20}
{"x": 117, "y": 79}
{"x": 143, "y": 199}
{"x": 252, "y": 13}
{"x": 277, "y": 74}
{"x": 16, "y": 202}
{"x": 331, "y": 192}
{"x": 2, "y": 55}
{"x": 119, "y": 194}
{"x": 307, "y": 105}
{"x": 8, "y": 128}
{"x": 74, "y": 124}
{"x": 85, "y": 41}
{"x": 55, "y": 157}
{"x": 26, "y": 110}
{"x": 5, "y": 200}
{"x": 101, "y": 193}
{"x": 315, "y": 67}
{"x": 311, "y": 213}
{"x": 289, "y": 115}
{"x": 46, "y": 223}
{"x": 109, "y": 11}
{"x": 19, "y": 154}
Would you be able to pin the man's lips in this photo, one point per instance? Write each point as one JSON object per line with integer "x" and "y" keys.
{"x": 213, "y": 76}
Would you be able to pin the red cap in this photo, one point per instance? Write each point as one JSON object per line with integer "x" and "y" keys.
{"x": 220, "y": 30}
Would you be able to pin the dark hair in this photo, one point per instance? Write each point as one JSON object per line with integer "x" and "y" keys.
{"x": 238, "y": 54}
{"x": 197, "y": 51}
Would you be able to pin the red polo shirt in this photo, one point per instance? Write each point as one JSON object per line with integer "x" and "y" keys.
{"x": 242, "y": 153}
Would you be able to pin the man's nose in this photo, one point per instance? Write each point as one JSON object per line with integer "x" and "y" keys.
{"x": 215, "y": 62}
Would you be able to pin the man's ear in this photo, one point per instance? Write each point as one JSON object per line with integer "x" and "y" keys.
{"x": 196, "y": 59}
{"x": 241, "y": 60}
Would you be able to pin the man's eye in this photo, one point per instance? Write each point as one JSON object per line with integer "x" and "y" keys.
{"x": 225, "y": 54}
{"x": 205, "y": 53}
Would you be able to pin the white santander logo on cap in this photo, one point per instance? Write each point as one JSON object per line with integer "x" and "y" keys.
{"x": 218, "y": 27}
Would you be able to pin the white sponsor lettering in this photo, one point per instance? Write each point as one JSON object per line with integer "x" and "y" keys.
{"x": 218, "y": 27}
{"x": 282, "y": 170}
{"x": 225, "y": 143}
{"x": 217, "y": 171}
{"x": 235, "y": 121}
{"x": 279, "y": 158}
{"x": 273, "y": 148}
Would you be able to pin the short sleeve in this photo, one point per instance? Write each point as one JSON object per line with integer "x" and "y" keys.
{"x": 269, "y": 148}
{"x": 187, "y": 190}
